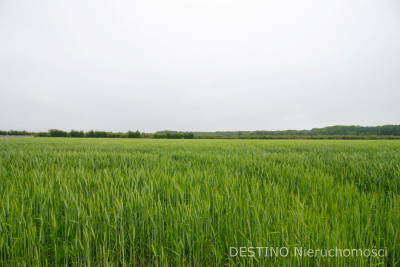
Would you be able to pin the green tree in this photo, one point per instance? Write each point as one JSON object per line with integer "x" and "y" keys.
{"x": 136, "y": 134}
{"x": 57, "y": 133}
{"x": 74, "y": 133}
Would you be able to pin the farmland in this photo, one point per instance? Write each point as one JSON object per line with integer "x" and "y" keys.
{"x": 66, "y": 201}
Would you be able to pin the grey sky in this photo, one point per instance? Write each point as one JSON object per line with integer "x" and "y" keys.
{"x": 198, "y": 65}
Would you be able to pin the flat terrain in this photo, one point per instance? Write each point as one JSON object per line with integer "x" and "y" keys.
{"x": 66, "y": 201}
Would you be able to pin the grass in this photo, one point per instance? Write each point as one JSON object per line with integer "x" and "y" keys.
{"x": 113, "y": 202}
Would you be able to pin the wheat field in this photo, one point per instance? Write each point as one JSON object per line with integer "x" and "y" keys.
{"x": 115, "y": 202}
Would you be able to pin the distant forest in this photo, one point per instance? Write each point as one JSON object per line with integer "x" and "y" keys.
{"x": 393, "y": 130}
{"x": 331, "y": 132}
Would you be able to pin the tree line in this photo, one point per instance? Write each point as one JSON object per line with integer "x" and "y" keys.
{"x": 331, "y": 132}
{"x": 353, "y": 130}
{"x": 98, "y": 134}
{"x": 93, "y": 134}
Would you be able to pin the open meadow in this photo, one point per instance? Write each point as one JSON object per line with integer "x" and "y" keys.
{"x": 113, "y": 202}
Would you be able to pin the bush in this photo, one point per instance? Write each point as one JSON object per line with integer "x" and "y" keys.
{"x": 74, "y": 133}
{"x": 173, "y": 135}
{"x": 43, "y": 134}
{"x": 57, "y": 133}
{"x": 96, "y": 134}
{"x": 133, "y": 134}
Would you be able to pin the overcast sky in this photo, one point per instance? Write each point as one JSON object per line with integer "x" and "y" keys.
{"x": 198, "y": 65}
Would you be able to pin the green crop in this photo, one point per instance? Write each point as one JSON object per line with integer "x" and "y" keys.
{"x": 113, "y": 202}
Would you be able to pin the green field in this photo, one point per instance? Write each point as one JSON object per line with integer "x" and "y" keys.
{"x": 187, "y": 202}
